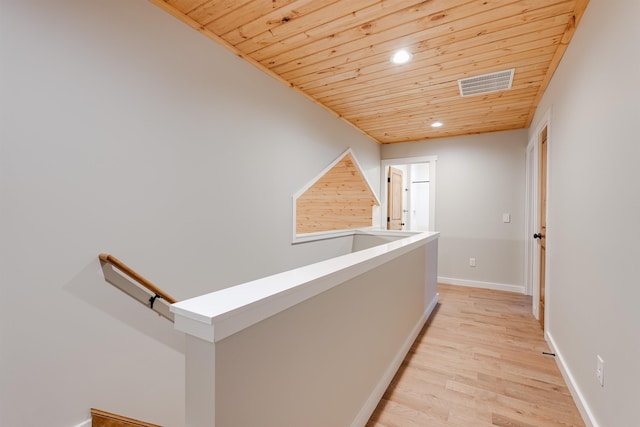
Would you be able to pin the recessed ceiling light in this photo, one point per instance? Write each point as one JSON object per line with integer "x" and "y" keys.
{"x": 436, "y": 124}
{"x": 401, "y": 57}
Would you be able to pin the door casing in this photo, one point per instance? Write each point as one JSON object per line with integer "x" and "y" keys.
{"x": 542, "y": 241}
{"x": 384, "y": 166}
{"x": 532, "y": 219}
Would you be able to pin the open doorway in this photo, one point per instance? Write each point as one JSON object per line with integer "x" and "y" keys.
{"x": 409, "y": 206}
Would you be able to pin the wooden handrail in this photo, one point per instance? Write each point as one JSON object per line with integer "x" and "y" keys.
{"x": 110, "y": 259}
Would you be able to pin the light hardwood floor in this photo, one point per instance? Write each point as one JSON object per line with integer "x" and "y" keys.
{"x": 478, "y": 363}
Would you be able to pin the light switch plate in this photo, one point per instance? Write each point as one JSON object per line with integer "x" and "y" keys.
{"x": 506, "y": 217}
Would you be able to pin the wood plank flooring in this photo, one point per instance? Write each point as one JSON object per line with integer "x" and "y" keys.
{"x": 478, "y": 363}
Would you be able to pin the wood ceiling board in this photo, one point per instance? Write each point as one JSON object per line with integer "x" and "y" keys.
{"x": 294, "y": 16}
{"x": 413, "y": 112}
{"x": 448, "y": 97}
{"x": 465, "y": 67}
{"x": 300, "y": 30}
{"x": 438, "y": 87}
{"x": 491, "y": 60}
{"x": 381, "y": 73}
{"x": 185, "y": 6}
{"x": 385, "y": 34}
{"x": 336, "y": 53}
{"x": 512, "y": 112}
{"x": 434, "y": 41}
{"x": 507, "y": 109}
{"x": 352, "y": 42}
{"x": 310, "y": 73}
{"x": 438, "y": 104}
{"x": 424, "y": 134}
{"x": 512, "y": 119}
{"x": 424, "y": 67}
{"x": 513, "y": 115}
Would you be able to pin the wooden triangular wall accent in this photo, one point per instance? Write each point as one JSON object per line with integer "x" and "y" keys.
{"x": 340, "y": 199}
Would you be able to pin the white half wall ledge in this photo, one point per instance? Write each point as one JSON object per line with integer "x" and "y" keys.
{"x": 321, "y": 235}
{"x": 217, "y": 315}
{"x": 484, "y": 285}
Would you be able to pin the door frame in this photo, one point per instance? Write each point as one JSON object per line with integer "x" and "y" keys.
{"x": 384, "y": 165}
{"x": 532, "y": 222}
{"x": 532, "y": 219}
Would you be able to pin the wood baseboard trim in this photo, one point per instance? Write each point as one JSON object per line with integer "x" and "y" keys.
{"x": 377, "y": 393}
{"x": 107, "y": 419}
{"x": 579, "y": 399}
{"x": 519, "y": 289}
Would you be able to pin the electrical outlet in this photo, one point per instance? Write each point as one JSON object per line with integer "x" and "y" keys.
{"x": 600, "y": 370}
{"x": 472, "y": 262}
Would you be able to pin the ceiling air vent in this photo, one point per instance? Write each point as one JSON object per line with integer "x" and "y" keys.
{"x": 486, "y": 83}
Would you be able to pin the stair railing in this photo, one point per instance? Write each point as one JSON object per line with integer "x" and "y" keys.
{"x": 148, "y": 289}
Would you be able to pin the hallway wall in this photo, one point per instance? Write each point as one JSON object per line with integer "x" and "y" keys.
{"x": 478, "y": 178}
{"x": 593, "y": 209}
{"x": 125, "y": 131}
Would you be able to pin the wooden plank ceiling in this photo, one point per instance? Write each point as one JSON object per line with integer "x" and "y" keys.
{"x": 338, "y": 54}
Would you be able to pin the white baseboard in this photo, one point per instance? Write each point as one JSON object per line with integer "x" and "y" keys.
{"x": 86, "y": 423}
{"x": 374, "y": 398}
{"x": 581, "y": 403}
{"x": 485, "y": 285}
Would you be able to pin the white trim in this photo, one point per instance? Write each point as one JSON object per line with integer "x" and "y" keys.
{"x": 86, "y": 423}
{"x": 306, "y": 237}
{"x": 532, "y": 212}
{"x": 531, "y": 255}
{"x": 322, "y": 235}
{"x": 579, "y": 399}
{"x": 548, "y": 291}
{"x": 369, "y": 231}
{"x": 545, "y": 121}
{"x": 379, "y": 390}
{"x": 328, "y": 168}
{"x": 384, "y": 163}
{"x": 485, "y": 285}
{"x": 217, "y": 315}
{"x": 384, "y": 233}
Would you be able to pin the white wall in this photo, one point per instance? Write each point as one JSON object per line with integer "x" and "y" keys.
{"x": 478, "y": 179}
{"x": 594, "y": 207}
{"x": 127, "y": 132}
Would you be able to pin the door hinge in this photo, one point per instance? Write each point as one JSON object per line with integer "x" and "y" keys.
{"x": 388, "y": 219}
{"x": 389, "y": 179}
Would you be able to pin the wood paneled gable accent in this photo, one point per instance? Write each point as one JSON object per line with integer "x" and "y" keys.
{"x": 340, "y": 198}
{"x": 337, "y": 53}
